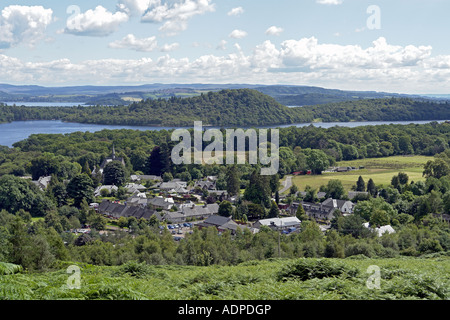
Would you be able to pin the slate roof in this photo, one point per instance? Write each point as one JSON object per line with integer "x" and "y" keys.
{"x": 117, "y": 210}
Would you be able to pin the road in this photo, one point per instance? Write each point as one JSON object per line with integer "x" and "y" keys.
{"x": 286, "y": 184}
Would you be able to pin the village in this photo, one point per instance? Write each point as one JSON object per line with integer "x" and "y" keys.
{"x": 180, "y": 206}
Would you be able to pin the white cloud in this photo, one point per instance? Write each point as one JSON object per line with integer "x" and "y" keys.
{"x": 97, "y": 23}
{"x": 170, "y": 47}
{"x": 135, "y": 7}
{"x": 133, "y": 43}
{"x": 222, "y": 45}
{"x": 380, "y": 66}
{"x": 333, "y": 2}
{"x": 19, "y": 24}
{"x": 175, "y": 17}
{"x": 274, "y": 31}
{"x": 308, "y": 53}
{"x": 236, "y": 11}
{"x": 238, "y": 34}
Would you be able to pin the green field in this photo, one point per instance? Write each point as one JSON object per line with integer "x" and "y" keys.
{"x": 334, "y": 279}
{"x": 381, "y": 170}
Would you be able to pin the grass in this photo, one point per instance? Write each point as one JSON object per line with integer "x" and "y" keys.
{"x": 381, "y": 170}
{"x": 337, "y": 279}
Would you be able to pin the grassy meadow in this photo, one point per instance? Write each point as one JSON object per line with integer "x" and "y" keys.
{"x": 381, "y": 170}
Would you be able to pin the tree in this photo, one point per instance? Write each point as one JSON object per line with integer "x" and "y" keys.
{"x": 300, "y": 213}
{"x": 233, "y": 181}
{"x": 293, "y": 190}
{"x": 371, "y": 188}
{"x": 366, "y": 209}
{"x": 225, "y": 209}
{"x": 17, "y": 193}
{"x": 96, "y": 220}
{"x": 360, "y": 184}
{"x": 258, "y": 190}
{"x": 311, "y": 194}
{"x": 167, "y": 176}
{"x": 404, "y": 144}
{"x": 335, "y": 189}
{"x": 44, "y": 165}
{"x": 379, "y": 218}
{"x": 86, "y": 169}
{"x": 274, "y": 183}
{"x": 80, "y": 188}
{"x": 403, "y": 178}
{"x": 437, "y": 168}
{"x": 154, "y": 164}
{"x": 273, "y": 212}
{"x": 114, "y": 173}
{"x": 317, "y": 161}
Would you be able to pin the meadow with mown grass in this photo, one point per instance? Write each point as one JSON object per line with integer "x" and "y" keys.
{"x": 381, "y": 170}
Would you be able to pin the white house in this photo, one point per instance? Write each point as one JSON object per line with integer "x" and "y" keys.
{"x": 278, "y": 223}
{"x": 381, "y": 230}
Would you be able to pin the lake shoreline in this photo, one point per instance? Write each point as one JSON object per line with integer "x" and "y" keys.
{"x": 16, "y": 131}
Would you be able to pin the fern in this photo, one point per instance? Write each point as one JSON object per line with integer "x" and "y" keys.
{"x": 9, "y": 268}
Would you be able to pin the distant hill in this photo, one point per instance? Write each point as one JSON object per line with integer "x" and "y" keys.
{"x": 237, "y": 107}
{"x": 287, "y": 95}
{"x": 309, "y": 96}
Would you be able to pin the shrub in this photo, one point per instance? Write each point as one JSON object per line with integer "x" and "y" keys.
{"x": 135, "y": 269}
{"x": 306, "y": 269}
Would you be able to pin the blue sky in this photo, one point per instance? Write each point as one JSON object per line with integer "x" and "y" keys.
{"x": 402, "y": 46}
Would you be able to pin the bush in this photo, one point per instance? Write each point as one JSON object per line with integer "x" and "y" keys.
{"x": 359, "y": 248}
{"x": 135, "y": 269}
{"x": 306, "y": 269}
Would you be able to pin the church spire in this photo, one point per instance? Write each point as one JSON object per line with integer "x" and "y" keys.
{"x": 113, "y": 152}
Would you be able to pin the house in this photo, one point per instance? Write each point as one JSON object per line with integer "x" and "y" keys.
{"x": 137, "y": 200}
{"x": 160, "y": 203}
{"x": 205, "y": 185}
{"x": 108, "y": 160}
{"x": 139, "y": 178}
{"x": 221, "y": 223}
{"x": 343, "y": 206}
{"x": 326, "y": 209}
{"x": 319, "y": 194}
{"x": 134, "y": 188}
{"x": 110, "y": 188}
{"x": 200, "y": 212}
{"x": 380, "y": 230}
{"x": 116, "y": 210}
{"x": 278, "y": 223}
{"x": 192, "y": 212}
{"x": 173, "y": 186}
{"x": 43, "y": 182}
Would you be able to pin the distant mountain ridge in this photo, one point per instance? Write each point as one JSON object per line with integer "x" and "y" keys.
{"x": 288, "y": 95}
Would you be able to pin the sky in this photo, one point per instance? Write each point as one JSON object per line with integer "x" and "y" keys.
{"x": 393, "y": 46}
